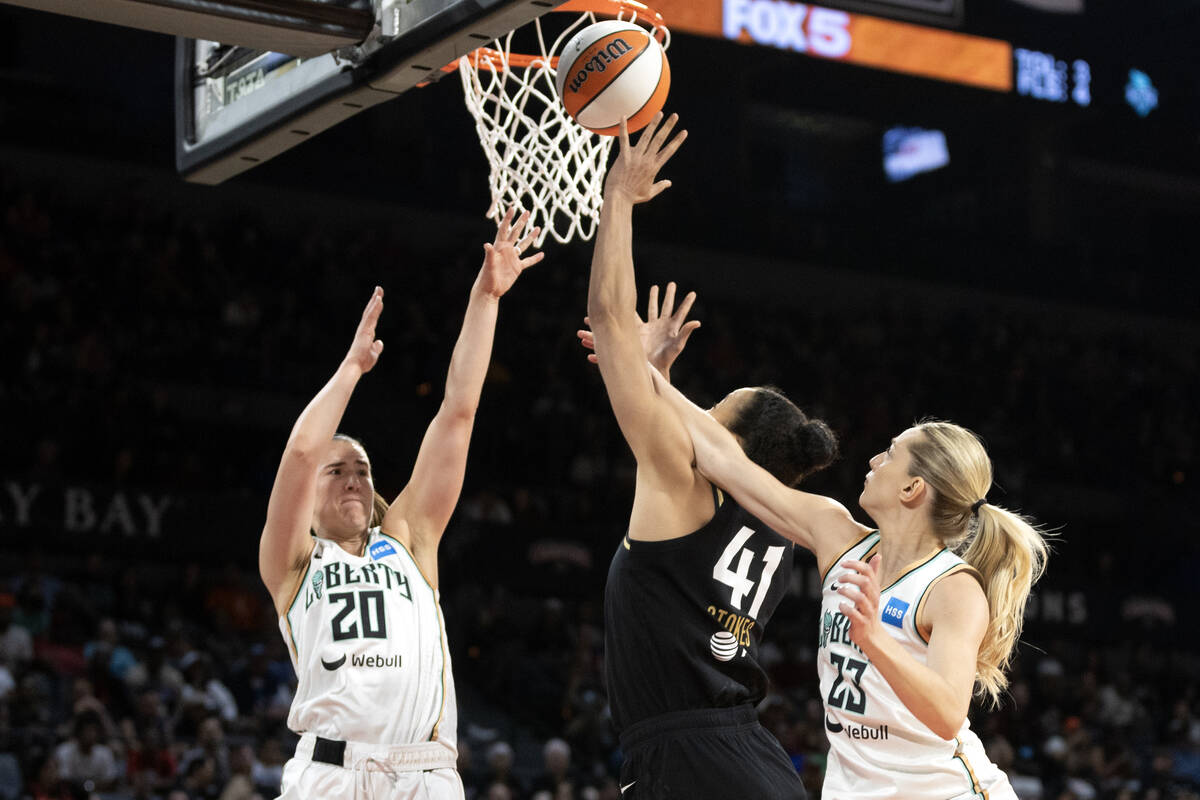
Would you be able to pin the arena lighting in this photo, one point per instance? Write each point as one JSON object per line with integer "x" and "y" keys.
{"x": 908, "y": 152}
{"x": 1140, "y": 93}
{"x": 297, "y": 27}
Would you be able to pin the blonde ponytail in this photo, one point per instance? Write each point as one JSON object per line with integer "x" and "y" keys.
{"x": 1007, "y": 549}
{"x": 1010, "y": 554}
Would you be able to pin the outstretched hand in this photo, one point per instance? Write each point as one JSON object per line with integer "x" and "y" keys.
{"x": 861, "y": 607}
{"x": 664, "y": 332}
{"x": 502, "y": 261}
{"x": 365, "y": 349}
{"x": 634, "y": 173}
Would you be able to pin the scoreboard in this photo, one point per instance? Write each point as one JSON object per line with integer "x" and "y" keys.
{"x": 854, "y": 38}
{"x": 1037, "y": 62}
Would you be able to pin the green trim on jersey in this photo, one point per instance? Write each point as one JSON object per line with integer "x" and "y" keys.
{"x": 836, "y": 561}
{"x": 413, "y": 559}
{"x": 975, "y": 788}
{"x": 911, "y": 570}
{"x": 299, "y": 590}
{"x": 433, "y": 735}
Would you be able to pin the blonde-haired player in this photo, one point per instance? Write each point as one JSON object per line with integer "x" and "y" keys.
{"x": 355, "y": 580}
{"x": 908, "y": 627}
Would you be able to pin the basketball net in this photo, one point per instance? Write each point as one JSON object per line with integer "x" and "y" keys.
{"x": 540, "y": 160}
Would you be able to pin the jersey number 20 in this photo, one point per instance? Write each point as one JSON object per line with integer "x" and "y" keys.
{"x": 370, "y": 612}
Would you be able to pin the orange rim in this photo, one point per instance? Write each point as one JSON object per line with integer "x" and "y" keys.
{"x": 642, "y": 10}
{"x": 490, "y": 58}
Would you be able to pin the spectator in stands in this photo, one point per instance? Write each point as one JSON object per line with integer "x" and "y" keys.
{"x": 240, "y": 785}
{"x": 7, "y": 682}
{"x": 204, "y": 689}
{"x": 16, "y": 645}
{"x": 268, "y": 767}
{"x": 499, "y": 772}
{"x": 83, "y": 761}
{"x": 210, "y": 746}
{"x": 198, "y": 783}
{"x": 150, "y": 765}
{"x": 255, "y": 686}
{"x": 161, "y": 677}
{"x": 10, "y": 766}
{"x": 107, "y": 651}
{"x": 556, "y": 768}
{"x": 46, "y": 783}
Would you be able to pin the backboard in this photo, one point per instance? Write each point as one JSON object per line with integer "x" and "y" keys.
{"x": 236, "y": 107}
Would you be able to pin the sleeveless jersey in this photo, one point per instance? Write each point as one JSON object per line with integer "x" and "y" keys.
{"x": 367, "y": 640}
{"x": 684, "y": 617}
{"x": 877, "y": 747}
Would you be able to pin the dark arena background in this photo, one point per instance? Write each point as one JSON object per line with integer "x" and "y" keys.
{"x": 1027, "y": 269}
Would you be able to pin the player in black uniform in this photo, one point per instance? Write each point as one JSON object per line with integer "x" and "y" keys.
{"x": 695, "y": 578}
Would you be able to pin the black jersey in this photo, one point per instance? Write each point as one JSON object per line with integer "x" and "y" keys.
{"x": 683, "y": 618}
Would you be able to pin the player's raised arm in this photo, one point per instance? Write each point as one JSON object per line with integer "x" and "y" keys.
{"x": 654, "y": 436}
{"x": 664, "y": 332}
{"x": 817, "y": 523}
{"x": 285, "y": 541}
{"x": 428, "y": 500}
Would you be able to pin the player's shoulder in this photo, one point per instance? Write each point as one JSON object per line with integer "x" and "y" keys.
{"x": 959, "y": 581}
{"x": 835, "y": 535}
{"x": 956, "y": 593}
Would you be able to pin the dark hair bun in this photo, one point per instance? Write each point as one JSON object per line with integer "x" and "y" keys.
{"x": 780, "y": 438}
{"x": 816, "y": 444}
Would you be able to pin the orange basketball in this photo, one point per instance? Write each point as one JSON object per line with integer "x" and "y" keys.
{"x": 610, "y": 70}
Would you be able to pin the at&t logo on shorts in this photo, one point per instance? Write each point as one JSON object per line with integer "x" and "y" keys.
{"x": 724, "y": 645}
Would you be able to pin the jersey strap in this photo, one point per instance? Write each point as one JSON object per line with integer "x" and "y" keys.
{"x": 861, "y": 550}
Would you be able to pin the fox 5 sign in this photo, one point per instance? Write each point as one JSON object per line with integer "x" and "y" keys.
{"x": 789, "y": 26}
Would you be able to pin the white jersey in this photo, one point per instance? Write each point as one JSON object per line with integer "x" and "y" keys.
{"x": 877, "y": 747}
{"x": 368, "y": 643}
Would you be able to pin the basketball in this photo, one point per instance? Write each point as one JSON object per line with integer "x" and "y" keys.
{"x": 611, "y": 70}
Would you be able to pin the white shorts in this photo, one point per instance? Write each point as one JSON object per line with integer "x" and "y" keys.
{"x": 411, "y": 772}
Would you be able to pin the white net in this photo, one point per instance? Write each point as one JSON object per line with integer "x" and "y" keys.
{"x": 540, "y": 159}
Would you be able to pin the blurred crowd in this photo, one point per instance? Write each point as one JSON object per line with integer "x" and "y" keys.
{"x": 149, "y": 349}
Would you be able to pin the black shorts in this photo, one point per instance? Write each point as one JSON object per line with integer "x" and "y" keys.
{"x": 710, "y": 754}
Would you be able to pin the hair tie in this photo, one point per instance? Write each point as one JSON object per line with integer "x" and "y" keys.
{"x": 975, "y": 506}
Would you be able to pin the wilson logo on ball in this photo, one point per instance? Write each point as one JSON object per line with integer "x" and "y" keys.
{"x": 604, "y": 55}
{"x": 610, "y": 70}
